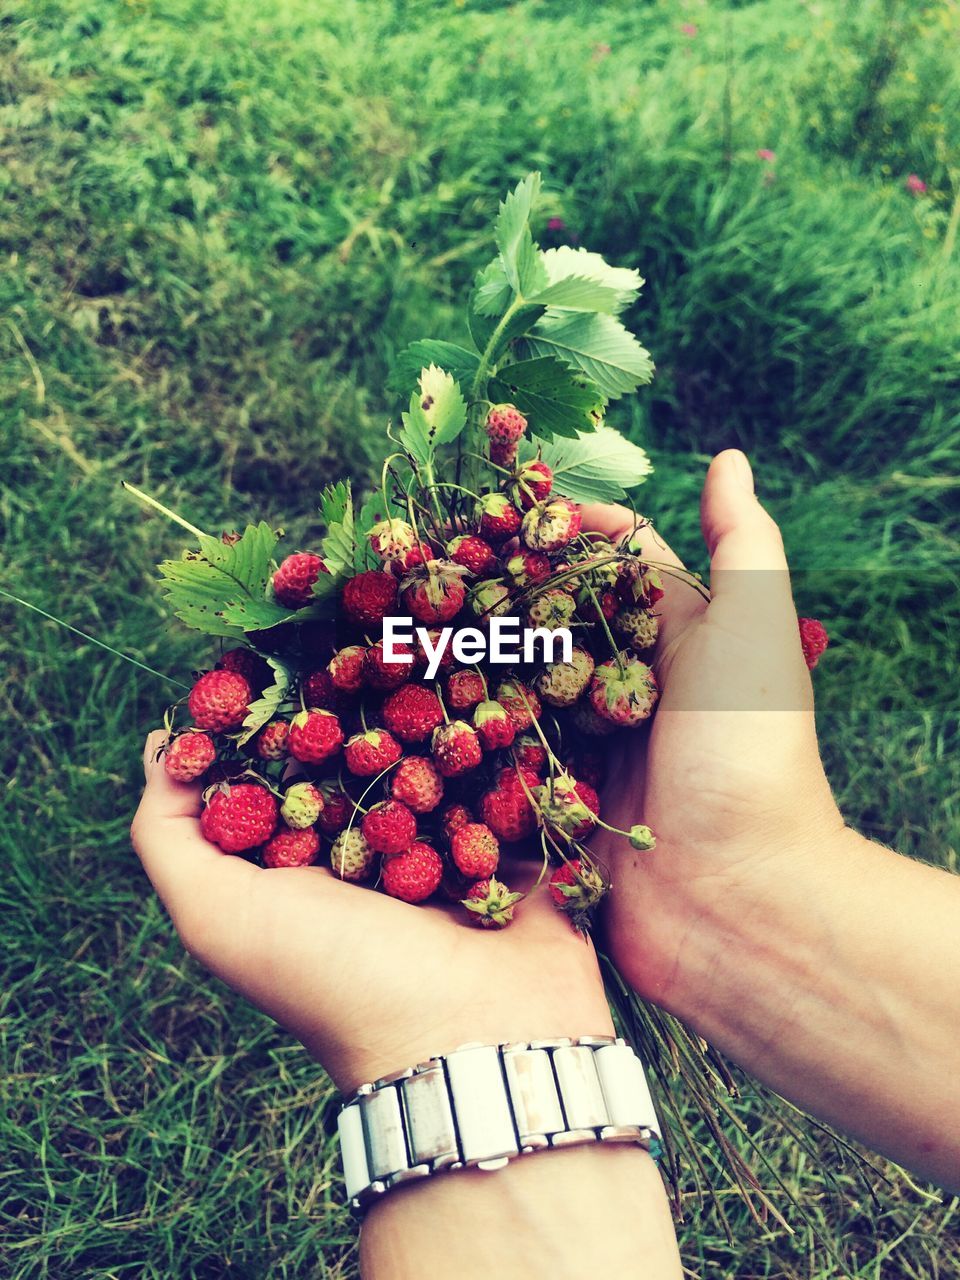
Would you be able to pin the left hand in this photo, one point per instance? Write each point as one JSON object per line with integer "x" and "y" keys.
{"x": 369, "y": 984}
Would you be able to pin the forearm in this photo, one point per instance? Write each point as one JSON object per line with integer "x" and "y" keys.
{"x": 588, "y": 1210}
{"x": 835, "y": 981}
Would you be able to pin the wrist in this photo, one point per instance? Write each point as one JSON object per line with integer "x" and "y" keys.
{"x": 584, "y": 1210}
{"x": 745, "y": 944}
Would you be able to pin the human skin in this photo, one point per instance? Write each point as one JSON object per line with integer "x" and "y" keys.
{"x": 370, "y": 985}
{"x": 825, "y": 964}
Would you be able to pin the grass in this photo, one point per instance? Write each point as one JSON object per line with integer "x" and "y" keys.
{"x": 217, "y": 227}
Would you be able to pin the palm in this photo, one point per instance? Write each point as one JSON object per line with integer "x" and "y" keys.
{"x": 367, "y": 983}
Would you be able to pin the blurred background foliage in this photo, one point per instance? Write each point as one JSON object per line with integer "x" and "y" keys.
{"x": 218, "y": 222}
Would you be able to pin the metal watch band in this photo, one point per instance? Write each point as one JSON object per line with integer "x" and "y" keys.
{"x": 482, "y": 1105}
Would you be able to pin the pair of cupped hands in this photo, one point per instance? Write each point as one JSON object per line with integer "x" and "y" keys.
{"x": 729, "y": 778}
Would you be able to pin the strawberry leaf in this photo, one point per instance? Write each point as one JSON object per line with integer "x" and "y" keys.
{"x": 437, "y": 415}
{"x": 265, "y": 707}
{"x": 598, "y": 345}
{"x": 518, "y": 254}
{"x": 565, "y": 262}
{"x": 339, "y": 543}
{"x": 458, "y": 361}
{"x": 204, "y": 587}
{"x": 597, "y": 466}
{"x": 558, "y": 400}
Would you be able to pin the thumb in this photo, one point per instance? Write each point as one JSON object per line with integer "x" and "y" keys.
{"x": 751, "y": 595}
{"x": 192, "y": 877}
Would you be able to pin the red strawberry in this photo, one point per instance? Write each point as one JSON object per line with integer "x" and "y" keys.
{"x": 369, "y": 597}
{"x": 293, "y": 581}
{"x": 592, "y": 606}
{"x": 453, "y": 817}
{"x": 419, "y": 555}
{"x": 472, "y": 552}
{"x": 291, "y": 848}
{"x": 814, "y": 639}
{"x": 414, "y": 875}
{"x": 568, "y": 807}
{"x": 348, "y": 668}
{"x": 587, "y": 765}
{"x": 416, "y": 783}
{"x": 188, "y": 756}
{"x": 531, "y": 484}
{"x": 389, "y": 827}
{"x": 456, "y": 748}
{"x": 271, "y": 742}
{"x": 315, "y": 736}
{"x": 434, "y": 594}
{"x": 638, "y": 584}
{"x": 422, "y": 660}
{"x": 517, "y": 778}
{"x": 412, "y": 712}
{"x": 576, "y": 886}
{"x": 219, "y": 701}
{"x": 551, "y": 525}
{"x": 508, "y": 813}
{"x": 497, "y": 520}
{"x": 529, "y": 568}
{"x": 337, "y": 811}
{"x": 381, "y": 674}
{"x": 371, "y": 752}
{"x": 490, "y": 903}
{"x": 464, "y": 690}
{"x": 521, "y": 703}
{"x": 475, "y": 850}
{"x": 623, "y": 694}
{"x": 254, "y": 669}
{"x": 505, "y": 425}
{"x": 240, "y": 817}
{"x": 494, "y": 727}
{"x": 530, "y": 752}
{"x": 319, "y": 691}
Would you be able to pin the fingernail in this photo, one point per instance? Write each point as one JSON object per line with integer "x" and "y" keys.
{"x": 742, "y": 469}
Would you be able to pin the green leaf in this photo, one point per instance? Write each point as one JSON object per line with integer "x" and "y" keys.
{"x": 205, "y": 587}
{"x": 265, "y": 707}
{"x": 460, "y": 363}
{"x": 565, "y": 262}
{"x": 442, "y": 404}
{"x": 557, "y": 400}
{"x": 578, "y": 293}
{"x": 513, "y": 232}
{"x": 598, "y": 345}
{"x": 437, "y": 415}
{"x": 491, "y": 294}
{"x": 598, "y": 466}
{"x": 338, "y": 545}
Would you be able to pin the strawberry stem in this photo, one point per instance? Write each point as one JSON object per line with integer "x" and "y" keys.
{"x": 158, "y": 506}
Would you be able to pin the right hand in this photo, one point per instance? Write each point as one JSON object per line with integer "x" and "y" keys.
{"x": 730, "y": 778}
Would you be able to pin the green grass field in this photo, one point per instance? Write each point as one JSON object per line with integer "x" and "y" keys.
{"x": 218, "y": 221}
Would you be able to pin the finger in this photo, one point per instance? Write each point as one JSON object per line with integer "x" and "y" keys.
{"x": 751, "y": 596}
{"x": 681, "y": 601}
{"x": 183, "y": 867}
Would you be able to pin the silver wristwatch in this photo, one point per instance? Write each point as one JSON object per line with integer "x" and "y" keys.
{"x": 482, "y": 1105}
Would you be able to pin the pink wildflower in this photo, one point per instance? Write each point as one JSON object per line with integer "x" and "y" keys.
{"x": 915, "y": 184}
{"x": 766, "y": 154}
{"x": 689, "y": 29}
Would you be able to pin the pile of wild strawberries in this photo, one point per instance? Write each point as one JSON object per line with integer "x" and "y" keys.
{"x": 415, "y": 786}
